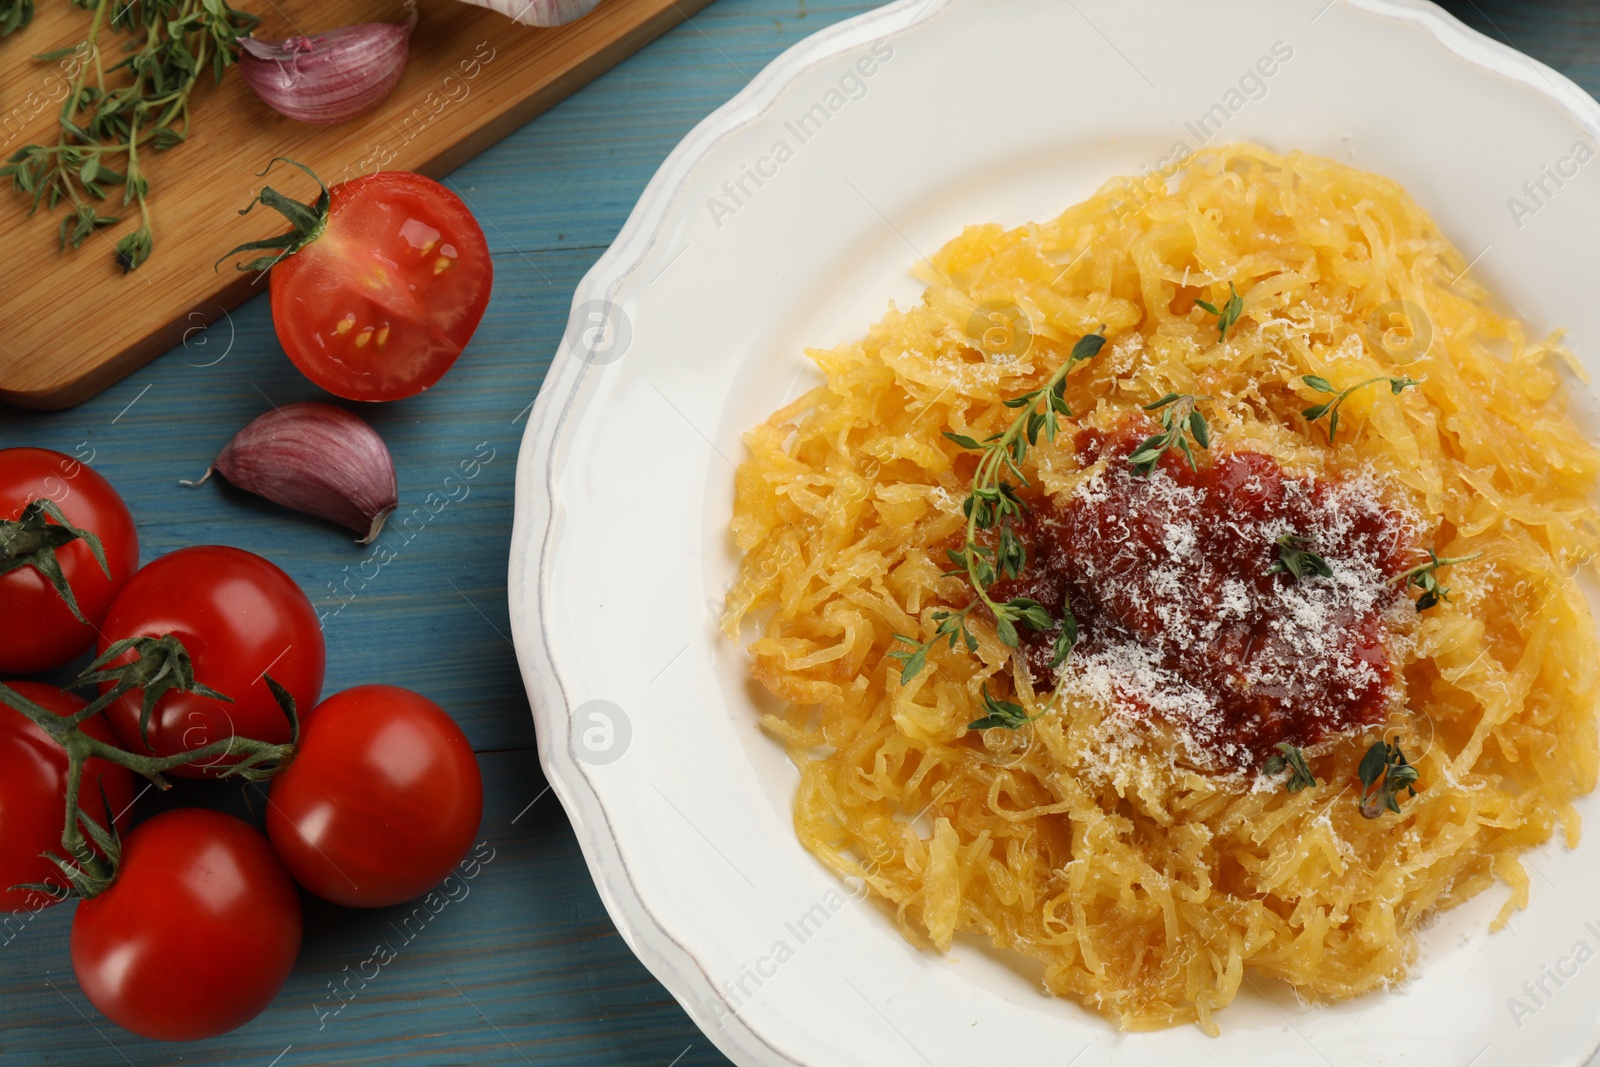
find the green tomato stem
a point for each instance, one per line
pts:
(94, 873)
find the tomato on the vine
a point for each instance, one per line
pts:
(378, 303)
(38, 630)
(241, 618)
(33, 795)
(381, 802)
(197, 934)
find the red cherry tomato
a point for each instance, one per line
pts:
(379, 306)
(381, 802)
(37, 629)
(197, 934)
(241, 618)
(33, 795)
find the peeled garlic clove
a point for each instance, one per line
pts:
(314, 458)
(329, 77)
(539, 12)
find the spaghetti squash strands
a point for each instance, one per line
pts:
(1130, 835)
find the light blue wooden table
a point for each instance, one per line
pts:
(527, 968)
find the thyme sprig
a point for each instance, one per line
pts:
(1066, 638)
(952, 625)
(993, 504)
(107, 121)
(1227, 314)
(1001, 713)
(1425, 576)
(1385, 773)
(1178, 414)
(1296, 560)
(1331, 407)
(1290, 758)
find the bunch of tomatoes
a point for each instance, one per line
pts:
(209, 663)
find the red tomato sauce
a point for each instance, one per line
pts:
(1180, 616)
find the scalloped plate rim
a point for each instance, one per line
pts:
(534, 529)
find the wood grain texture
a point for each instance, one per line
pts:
(472, 77)
(528, 968)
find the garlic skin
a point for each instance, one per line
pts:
(539, 12)
(314, 458)
(329, 77)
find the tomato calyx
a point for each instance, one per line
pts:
(91, 850)
(30, 541)
(160, 665)
(308, 220)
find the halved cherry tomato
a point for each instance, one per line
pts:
(241, 618)
(382, 800)
(197, 934)
(33, 795)
(379, 305)
(37, 629)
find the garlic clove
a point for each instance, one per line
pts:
(539, 12)
(314, 458)
(329, 77)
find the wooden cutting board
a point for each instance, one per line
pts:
(71, 323)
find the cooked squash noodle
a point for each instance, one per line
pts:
(1148, 889)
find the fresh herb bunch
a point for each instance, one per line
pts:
(1296, 560)
(107, 121)
(1292, 759)
(1384, 773)
(1425, 577)
(992, 504)
(1178, 413)
(1227, 314)
(1331, 407)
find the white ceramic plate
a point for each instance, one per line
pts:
(789, 218)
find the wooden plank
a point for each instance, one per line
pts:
(74, 323)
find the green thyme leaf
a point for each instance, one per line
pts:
(1291, 759)
(912, 659)
(999, 713)
(1227, 314)
(1385, 773)
(1426, 578)
(952, 627)
(15, 14)
(1298, 561)
(1178, 414)
(1066, 638)
(1088, 347)
(1029, 612)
